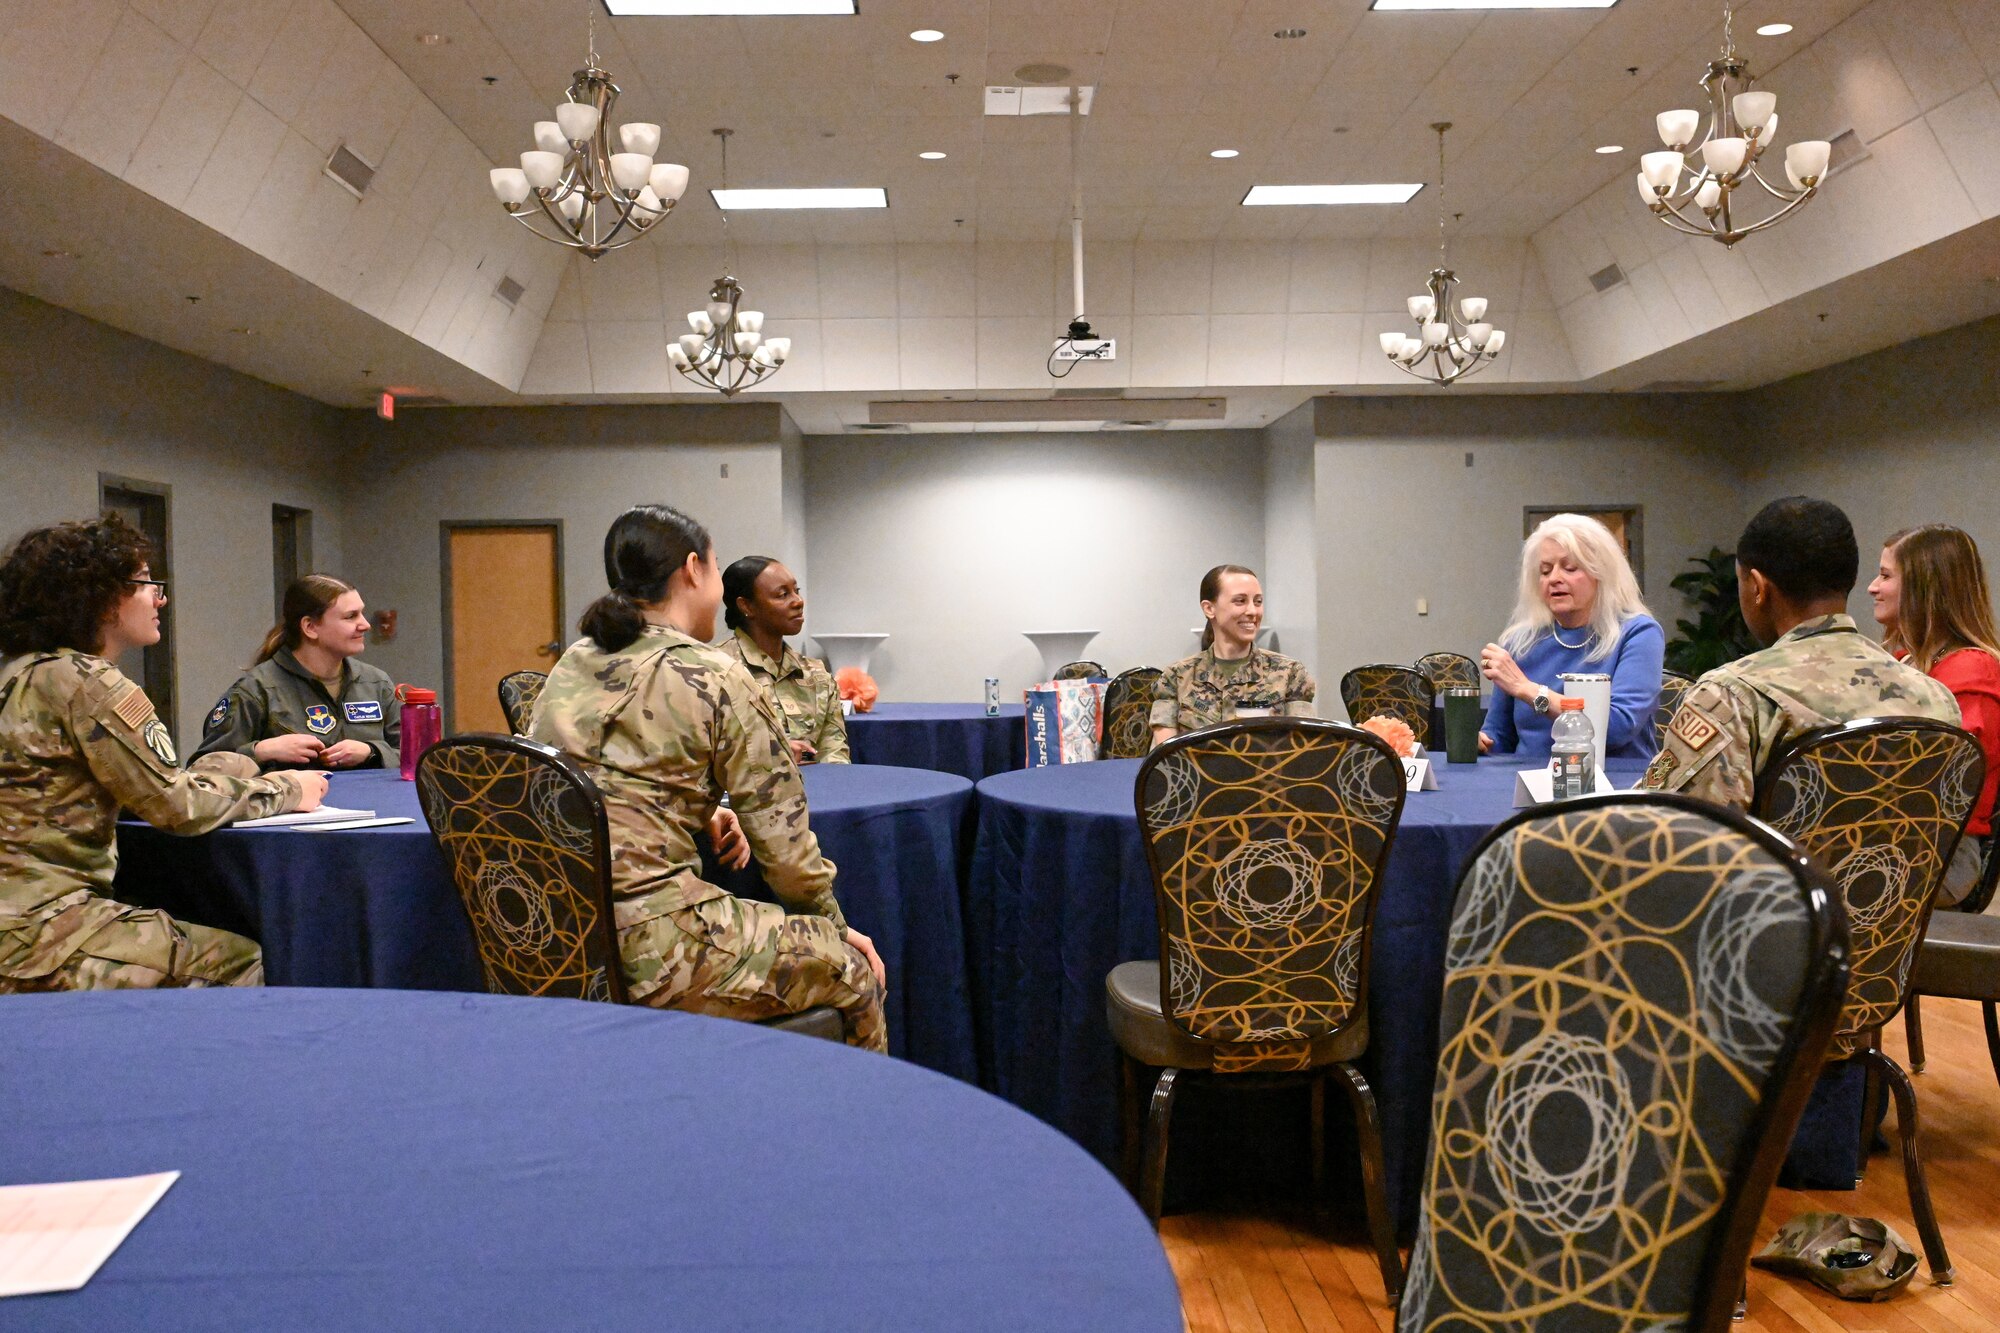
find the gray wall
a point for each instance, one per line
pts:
(1401, 516)
(78, 399)
(582, 466)
(954, 545)
(1291, 546)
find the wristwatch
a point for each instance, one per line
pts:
(1541, 701)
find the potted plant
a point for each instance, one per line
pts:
(1717, 634)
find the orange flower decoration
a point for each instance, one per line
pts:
(1395, 731)
(858, 687)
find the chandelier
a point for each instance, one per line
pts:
(572, 189)
(1742, 125)
(727, 351)
(1453, 338)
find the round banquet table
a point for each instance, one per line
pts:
(1059, 893)
(950, 738)
(376, 907)
(400, 1160)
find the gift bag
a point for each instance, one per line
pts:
(1065, 721)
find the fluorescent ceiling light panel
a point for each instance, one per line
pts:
(1329, 194)
(738, 200)
(739, 8)
(1493, 4)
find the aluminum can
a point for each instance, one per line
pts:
(993, 696)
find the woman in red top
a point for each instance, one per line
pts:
(1931, 601)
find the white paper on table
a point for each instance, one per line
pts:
(341, 826)
(1537, 786)
(1418, 775)
(55, 1237)
(326, 814)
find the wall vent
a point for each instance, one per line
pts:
(510, 291)
(1607, 277)
(350, 171)
(1847, 150)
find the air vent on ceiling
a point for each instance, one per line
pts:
(350, 171)
(510, 291)
(1017, 101)
(1847, 150)
(1607, 277)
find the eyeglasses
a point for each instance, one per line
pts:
(159, 586)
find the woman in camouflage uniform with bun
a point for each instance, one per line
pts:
(77, 742)
(668, 726)
(1231, 676)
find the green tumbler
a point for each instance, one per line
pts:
(1462, 714)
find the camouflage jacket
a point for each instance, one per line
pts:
(1196, 692)
(667, 727)
(804, 693)
(78, 741)
(279, 697)
(1735, 718)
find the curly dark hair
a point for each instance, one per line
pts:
(59, 584)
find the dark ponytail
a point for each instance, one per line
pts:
(645, 546)
(739, 582)
(1211, 588)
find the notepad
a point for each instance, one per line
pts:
(55, 1237)
(389, 821)
(326, 814)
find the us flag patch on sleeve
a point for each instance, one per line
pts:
(133, 708)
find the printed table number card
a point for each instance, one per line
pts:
(1537, 786)
(1418, 775)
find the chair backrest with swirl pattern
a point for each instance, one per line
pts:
(1673, 688)
(1266, 838)
(1081, 669)
(1639, 993)
(524, 833)
(1880, 804)
(518, 693)
(1388, 690)
(1450, 670)
(1128, 707)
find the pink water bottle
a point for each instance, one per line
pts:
(423, 726)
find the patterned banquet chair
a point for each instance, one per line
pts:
(1388, 690)
(518, 693)
(1639, 992)
(1960, 959)
(1082, 669)
(1266, 839)
(1673, 687)
(1128, 704)
(524, 834)
(1881, 804)
(1450, 671)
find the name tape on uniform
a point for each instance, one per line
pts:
(363, 710)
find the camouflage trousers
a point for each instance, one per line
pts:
(736, 958)
(141, 948)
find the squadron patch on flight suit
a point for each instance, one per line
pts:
(219, 715)
(319, 719)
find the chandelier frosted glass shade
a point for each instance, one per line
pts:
(1692, 184)
(575, 189)
(727, 350)
(1453, 338)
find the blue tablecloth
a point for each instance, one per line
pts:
(376, 907)
(390, 1160)
(1059, 893)
(950, 738)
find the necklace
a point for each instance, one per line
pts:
(1555, 632)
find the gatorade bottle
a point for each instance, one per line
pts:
(423, 726)
(1572, 752)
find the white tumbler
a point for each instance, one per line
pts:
(1595, 691)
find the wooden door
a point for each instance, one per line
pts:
(502, 612)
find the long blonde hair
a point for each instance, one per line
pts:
(307, 598)
(1591, 545)
(1944, 605)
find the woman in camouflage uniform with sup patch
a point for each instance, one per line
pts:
(668, 726)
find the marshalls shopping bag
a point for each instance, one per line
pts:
(1065, 721)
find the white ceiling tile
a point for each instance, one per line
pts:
(121, 95)
(1929, 50)
(1246, 349)
(935, 280)
(1172, 278)
(937, 353)
(41, 54)
(1867, 86)
(628, 357)
(1322, 350)
(1168, 351)
(1903, 195)
(1012, 279)
(622, 287)
(236, 167)
(1537, 352)
(298, 52)
(419, 284)
(858, 353)
(1328, 276)
(1980, 20)
(181, 20)
(184, 133)
(1250, 277)
(237, 35)
(1968, 130)
(857, 281)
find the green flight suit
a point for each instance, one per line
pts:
(278, 697)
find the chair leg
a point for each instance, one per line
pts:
(1871, 1109)
(1130, 1127)
(1153, 1178)
(1913, 1033)
(1381, 1226)
(1992, 1037)
(1317, 1148)
(1742, 1310)
(1913, 1166)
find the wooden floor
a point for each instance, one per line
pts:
(1243, 1272)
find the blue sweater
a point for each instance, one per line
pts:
(1634, 667)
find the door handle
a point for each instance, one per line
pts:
(553, 648)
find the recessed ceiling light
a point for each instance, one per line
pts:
(1289, 34)
(1774, 30)
(1329, 194)
(1493, 4)
(1608, 148)
(926, 35)
(432, 39)
(870, 197)
(630, 8)
(932, 157)
(1223, 152)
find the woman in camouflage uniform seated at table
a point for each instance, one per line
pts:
(78, 741)
(763, 605)
(1231, 676)
(668, 726)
